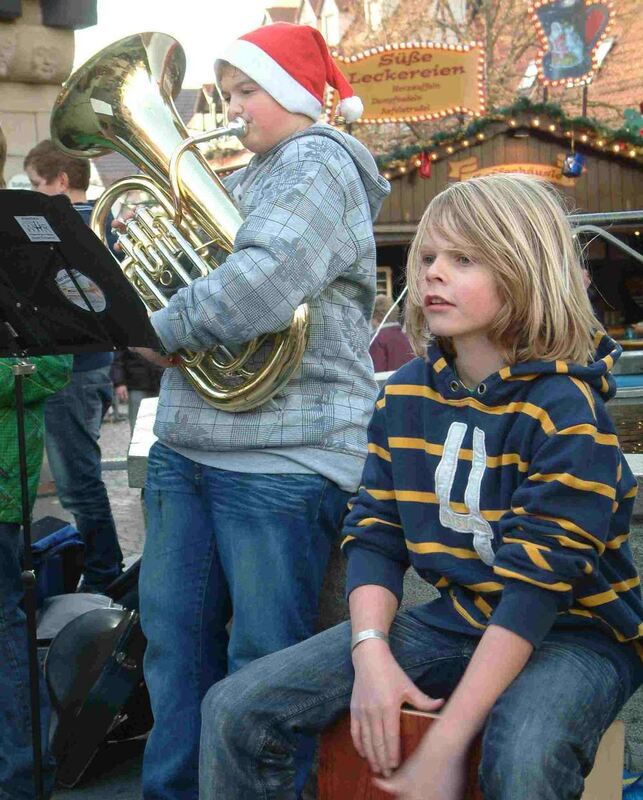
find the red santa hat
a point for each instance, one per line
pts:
(292, 63)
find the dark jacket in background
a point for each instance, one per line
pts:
(135, 372)
(83, 362)
(391, 349)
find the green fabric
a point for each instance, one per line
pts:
(52, 373)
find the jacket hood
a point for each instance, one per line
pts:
(503, 384)
(377, 187)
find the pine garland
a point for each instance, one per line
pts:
(522, 106)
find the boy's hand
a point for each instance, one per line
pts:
(435, 771)
(153, 356)
(119, 225)
(379, 690)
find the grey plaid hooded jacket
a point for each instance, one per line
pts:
(307, 236)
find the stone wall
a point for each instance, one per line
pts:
(34, 61)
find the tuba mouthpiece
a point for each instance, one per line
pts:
(238, 127)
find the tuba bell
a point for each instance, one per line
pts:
(122, 100)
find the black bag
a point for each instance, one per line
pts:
(94, 673)
(124, 589)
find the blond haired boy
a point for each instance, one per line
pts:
(495, 471)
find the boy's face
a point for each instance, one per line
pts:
(460, 296)
(57, 186)
(268, 122)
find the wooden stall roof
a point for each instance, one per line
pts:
(609, 182)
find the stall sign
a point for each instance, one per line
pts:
(413, 82)
(465, 168)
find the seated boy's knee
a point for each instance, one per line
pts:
(215, 703)
(226, 705)
(547, 766)
(220, 718)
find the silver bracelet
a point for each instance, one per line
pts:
(370, 633)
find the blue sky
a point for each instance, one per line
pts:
(203, 27)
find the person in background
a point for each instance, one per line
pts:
(494, 470)
(16, 755)
(243, 508)
(134, 378)
(73, 417)
(390, 348)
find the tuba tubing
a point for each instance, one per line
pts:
(121, 100)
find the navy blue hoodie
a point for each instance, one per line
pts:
(514, 500)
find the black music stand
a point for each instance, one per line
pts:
(61, 291)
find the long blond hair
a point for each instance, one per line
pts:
(516, 225)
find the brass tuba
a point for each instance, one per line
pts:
(122, 100)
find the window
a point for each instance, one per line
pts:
(373, 14)
(529, 77)
(603, 49)
(307, 15)
(384, 281)
(330, 23)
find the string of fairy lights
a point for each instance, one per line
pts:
(440, 147)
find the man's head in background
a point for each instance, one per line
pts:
(52, 172)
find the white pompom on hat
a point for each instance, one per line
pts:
(292, 63)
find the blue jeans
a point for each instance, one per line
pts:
(542, 733)
(16, 755)
(220, 541)
(73, 418)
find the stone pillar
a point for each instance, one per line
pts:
(34, 61)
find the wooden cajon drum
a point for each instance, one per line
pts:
(344, 775)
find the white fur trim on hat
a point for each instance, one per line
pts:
(351, 108)
(265, 71)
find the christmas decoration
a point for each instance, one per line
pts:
(293, 64)
(634, 120)
(569, 32)
(425, 165)
(522, 114)
(573, 165)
